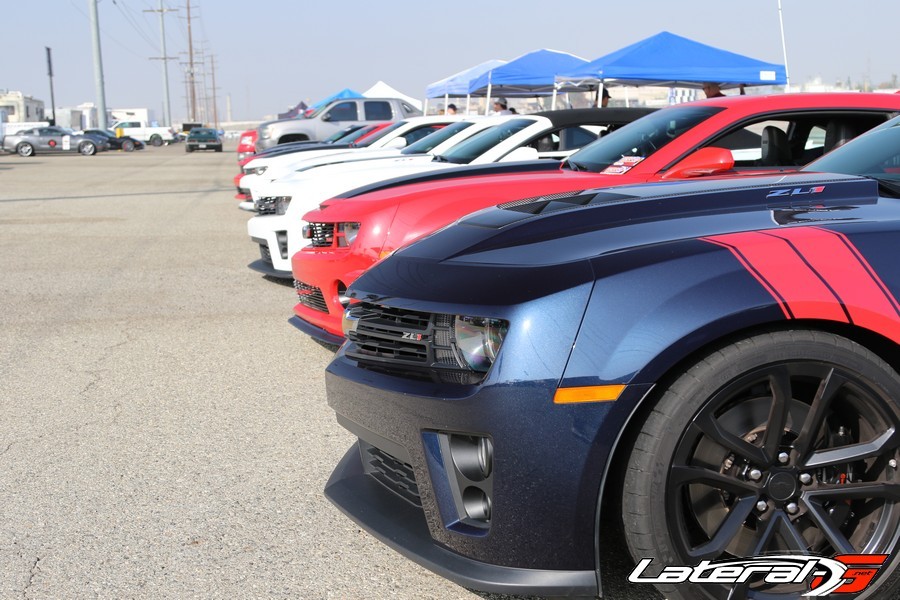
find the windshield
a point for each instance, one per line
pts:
(380, 134)
(342, 134)
(432, 140)
(640, 138)
(468, 150)
(875, 154)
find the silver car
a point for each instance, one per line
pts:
(52, 140)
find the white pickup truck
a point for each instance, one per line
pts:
(139, 130)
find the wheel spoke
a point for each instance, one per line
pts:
(780, 385)
(857, 491)
(780, 523)
(828, 389)
(853, 452)
(709, 426)
(728, 530)
(682, 475)
(836, 538)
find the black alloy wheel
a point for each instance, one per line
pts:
(783, 443)
(156, 140)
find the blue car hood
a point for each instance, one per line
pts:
(538, 246)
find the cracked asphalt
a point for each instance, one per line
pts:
(163, 430)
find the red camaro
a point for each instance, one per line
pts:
(736, 134)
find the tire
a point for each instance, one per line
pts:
(128, 146)
(25, 149)
(218, 148)
(188, 149)
(706, 481)
(156, 140)
(87, 148)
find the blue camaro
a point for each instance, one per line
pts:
(708, 368)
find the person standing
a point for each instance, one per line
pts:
(501, 107)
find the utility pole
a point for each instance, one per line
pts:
(167, 109)
(212, 60)
(191, 83)
(98, 66)
(50, 75)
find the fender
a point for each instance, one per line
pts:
(679, 306)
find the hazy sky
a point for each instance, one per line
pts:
(270, 54)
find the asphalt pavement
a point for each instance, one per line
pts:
(163, 429)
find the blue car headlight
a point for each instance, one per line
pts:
(478, 340)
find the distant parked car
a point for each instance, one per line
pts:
(247, 144)
(53, 140)
(203, 138)
(126, 143)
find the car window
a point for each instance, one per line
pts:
(420, 132)
(407, 109)
(875, 154)
(431, 141)
(344, 134)
(344, 111)
(473, 147)
(378, 110)
(796, 139)
(641, 138)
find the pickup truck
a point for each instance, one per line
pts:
(155, 136)
(331, 118)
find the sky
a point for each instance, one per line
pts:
(271, 54)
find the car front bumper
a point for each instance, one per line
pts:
(540, 537)
(328, 272)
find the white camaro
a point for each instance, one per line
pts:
(553, 134)
(391, 141)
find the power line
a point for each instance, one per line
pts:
(130, 20)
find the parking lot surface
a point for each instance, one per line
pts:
(163, 430)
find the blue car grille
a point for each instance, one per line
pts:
(408, 344)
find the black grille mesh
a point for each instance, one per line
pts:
(395, 475)
(311, 296)
(408, 344)
(321, 234)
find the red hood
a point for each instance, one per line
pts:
(474, 192)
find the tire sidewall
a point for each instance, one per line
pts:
(681, 402)
(25, 149)
(87, 149)
(155, 140)
(128, 146)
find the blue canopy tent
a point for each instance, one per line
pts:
(531, 74)
(344, 93)
(670, 60)
(457, 85)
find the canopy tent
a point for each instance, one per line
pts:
(294, 112)
(670, 60)
(528, 75)
(457, 85)
(383, 90)
(344, 93)
(531, 74)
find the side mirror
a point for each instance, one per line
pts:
(326, 117)
(397, 142)
(705, 161)
(522, 153)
